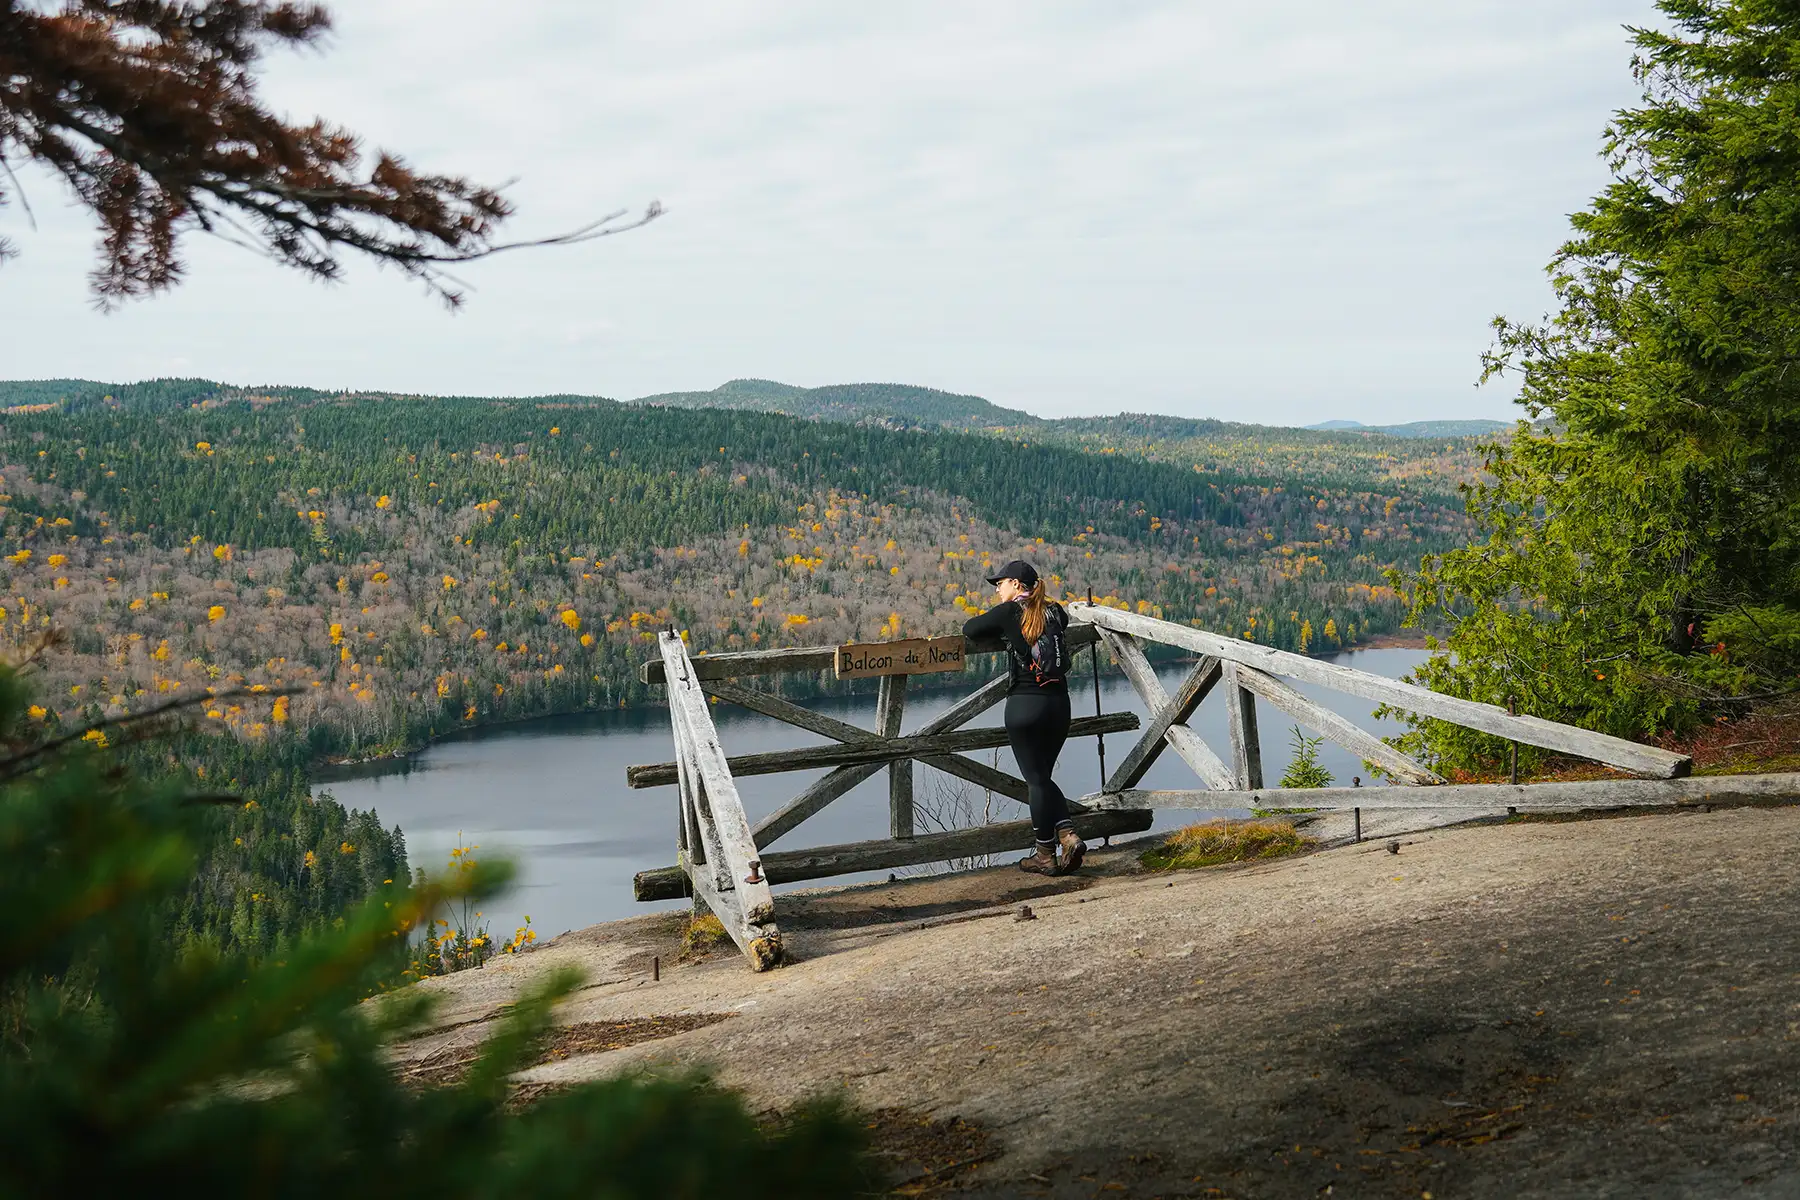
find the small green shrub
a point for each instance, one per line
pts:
(1305, 771)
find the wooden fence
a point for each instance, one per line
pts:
(720, 855)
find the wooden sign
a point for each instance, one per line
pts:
(911, 656)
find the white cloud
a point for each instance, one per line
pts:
(1284, 212)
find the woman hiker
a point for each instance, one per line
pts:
(1037, 705)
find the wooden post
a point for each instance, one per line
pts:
(1512, 752)
(687, 798)
(890, 706)
(732, 884)
(1246, 747)
(1099, 740)
(690, 854)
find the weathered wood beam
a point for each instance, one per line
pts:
(1246, 742)
(812, 800)
(978, 773)
(1166, 727)
(770, 705)
(791, 659)
(691, 838)
(1358, 741)
(748, 914)
(822, 792)
(885, 751)
(890, 706)
(1488, 718)
(722, 904)
(969, 707)
(783, 661)
(981, 775)
(793, 866)
(1594, 793)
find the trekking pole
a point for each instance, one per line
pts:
(1099, 738)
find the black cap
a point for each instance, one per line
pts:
(1017, 569)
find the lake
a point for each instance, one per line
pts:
(550, 794)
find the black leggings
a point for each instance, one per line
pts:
(1037, 725)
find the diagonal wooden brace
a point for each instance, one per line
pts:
(823, 791)
(1352, 738)
(1166, 716)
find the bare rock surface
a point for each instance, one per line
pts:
(1582, 1008)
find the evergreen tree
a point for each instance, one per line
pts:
(130, 1065)
(1640, 564)
(1304, 769)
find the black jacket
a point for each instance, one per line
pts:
(1002, 621)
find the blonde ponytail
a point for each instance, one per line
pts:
(1031, 619)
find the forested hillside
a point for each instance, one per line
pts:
(415, 565)
(279, 862)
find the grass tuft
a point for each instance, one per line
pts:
(1215, 842)
(701, 935)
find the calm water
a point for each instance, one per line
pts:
(551, 794)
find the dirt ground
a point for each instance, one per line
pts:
(1592, 1008)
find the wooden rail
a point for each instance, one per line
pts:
(875, 749)
(821, 862)
(794, 660)
(1637, 759)
(1556, 796)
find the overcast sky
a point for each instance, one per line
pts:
(1282, 212)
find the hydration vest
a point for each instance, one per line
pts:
(1049, 662)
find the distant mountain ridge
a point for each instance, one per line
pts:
(894, 405)
(1418, 429)
(904, 404)
(893, 402)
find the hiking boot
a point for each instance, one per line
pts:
(1072, 848)
(1042, 861)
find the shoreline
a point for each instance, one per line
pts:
(1406, 639)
